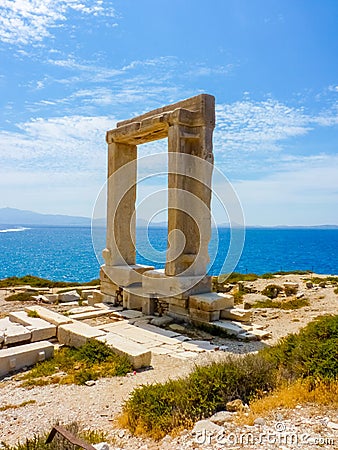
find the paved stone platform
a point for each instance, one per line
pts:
(158, 340)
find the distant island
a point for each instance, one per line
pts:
(18, 217)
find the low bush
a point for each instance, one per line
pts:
(238, 297)
(312, 355)
(159, 408)
(77, 365)
(292, 304)
(21, 297)
(329, 279)
(272, 290)
(313, 352)
(234, 277)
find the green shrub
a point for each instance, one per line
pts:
(295, 303)
(335, 290)
(234, 277)
(329, 279)
(272, 290)
(313, 352)
(20, 297)
(238, 297)
(159, 408)
(267, 276)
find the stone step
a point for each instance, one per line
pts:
(13, 333)
(199, 346)
(138, 355)
(211, 301)
(48, 315)
(81, 309)
(76, 334)
(241, 331)
(242, 315)
(157, 330)
(230, 328)
(40, 329)
(112, 326)
(140, 335)
(15, 358)
(90, 314)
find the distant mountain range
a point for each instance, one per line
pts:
(12, 216)
(18, 217)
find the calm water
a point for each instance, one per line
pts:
(68, 254)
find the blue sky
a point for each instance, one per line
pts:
(71, 68)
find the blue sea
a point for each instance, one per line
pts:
(68, 253)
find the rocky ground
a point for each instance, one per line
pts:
(97, 406)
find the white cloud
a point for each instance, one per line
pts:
(30, 21)
(249, 126)
(61, 144)
(252, 126)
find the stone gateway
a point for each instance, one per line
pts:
(183, 289)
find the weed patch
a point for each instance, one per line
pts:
(238, 297)
(292, 304)
(33, 314)
(71, 365)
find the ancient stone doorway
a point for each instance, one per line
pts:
(188, 125)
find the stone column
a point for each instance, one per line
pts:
(189, 215)
(121, 197)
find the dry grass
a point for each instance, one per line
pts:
(289, 396)
(21, 405)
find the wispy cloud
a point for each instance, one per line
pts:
(25, 22)
(58, 144)
(252, 126)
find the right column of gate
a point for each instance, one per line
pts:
(190, 164)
